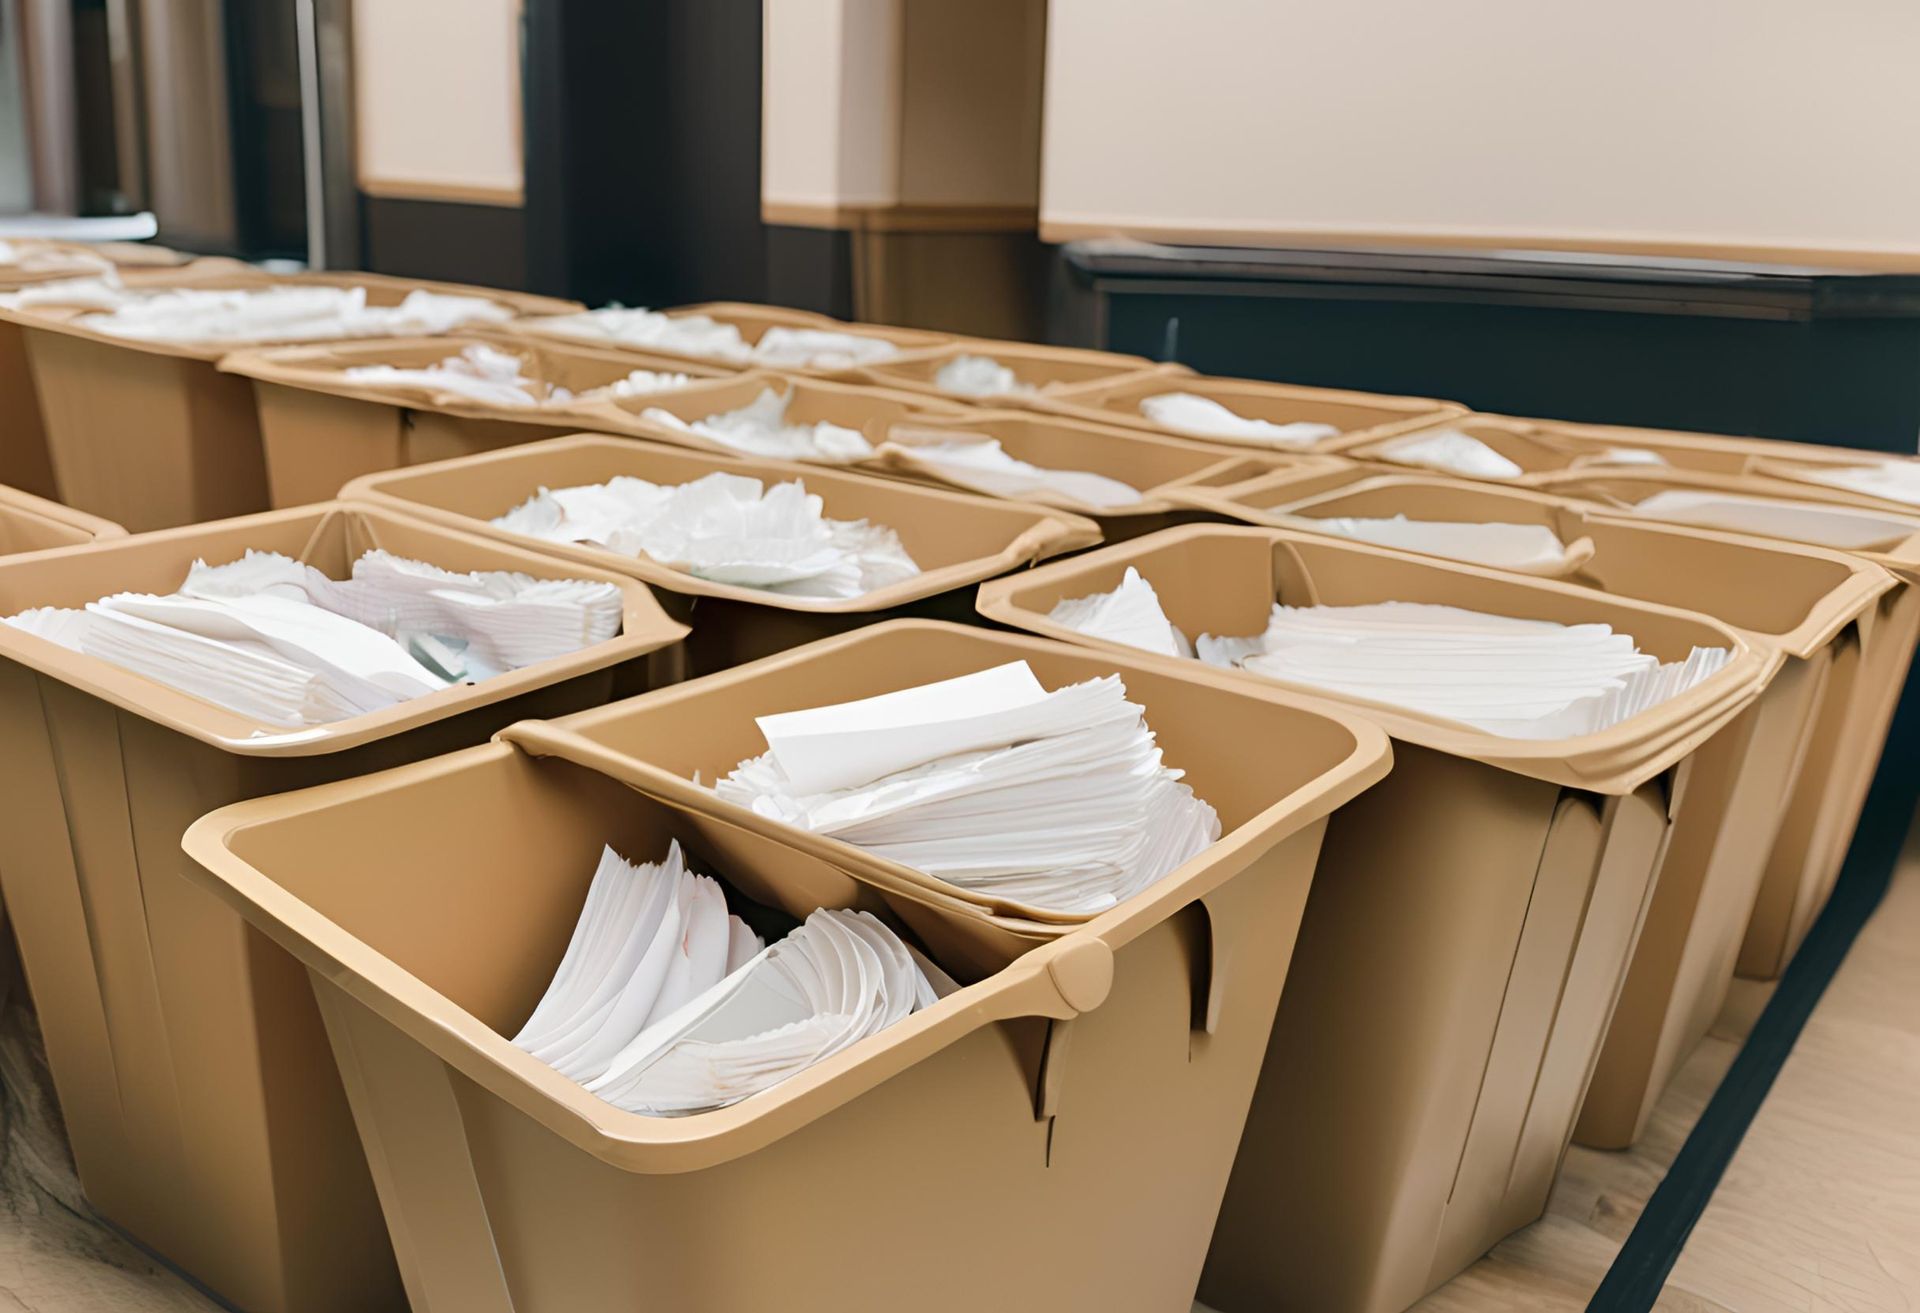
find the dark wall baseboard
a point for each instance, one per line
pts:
(481, 244)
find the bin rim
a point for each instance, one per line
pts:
(1837, 608)
(644, 628)
(1052, 532)
(1060, 979)
(1901, 559)
(1616, 760)
(66, 517)
(1083, 401)
(233, 276)
(1159, 499)
(287, 366)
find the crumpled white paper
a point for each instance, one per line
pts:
(1454, 452)
(1203, 417)
(35, 257)
(760, 428)
(981, 464)
(725, 527)
(499, 378)
(709, 339)
(1130, 614)
(287, 313)
(980, 376)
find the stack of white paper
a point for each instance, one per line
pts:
(105, 292)
(650, 938)
(278, 641)
(289, 313)
(1527, 548)
(1059, 800)
(45, 258)
(1130, 614)
(481, 373)
(981, 464)
(1454, 452)
(1889, 480)
(760, 428)
(1202, 417)
(1849, 528)
(980, 376)
(1528, 679)
(709, 339)
(724, 527)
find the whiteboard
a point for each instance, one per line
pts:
(1740, 129)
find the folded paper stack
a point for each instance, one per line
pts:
(277, 640)
(1055, 799)
(725, 527)
(1519, 678)
(665, 1003)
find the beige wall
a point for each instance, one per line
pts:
(904, 106)
(437, 99)
(1737, 127)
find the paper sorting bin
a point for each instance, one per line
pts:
(1036, 369)
(320, 429)
(1467, 936)
(24, 461)
(752, 320)
(185, 1050)
(1158, 467)
(1811, 604)
(983, 1159)
(151, 434)
(1841, 761)
(956, 539)
(1358, 415)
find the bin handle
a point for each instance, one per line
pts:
(1060, 980)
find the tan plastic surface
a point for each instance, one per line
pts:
(186, 1053)
(1045, 368)
(1469, 933)
(151, 434)
(956, 538)
(1156, 466)
(1358, 415)
(34, 524)
(1818, 827)
(1809, 603)
(988, 1152)
(752, 321)
(320, 430)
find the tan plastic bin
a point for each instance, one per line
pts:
(321, 430)
(1160, 468)
(956, 539)
(34, 524)
(24, 461)
(151, 434)
(1818, 829)
(1813, 605)
(1467, 937)
(1055, 1136)
(1040, 369)
(1358, 415)
(752, 321)
(188, 1059)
